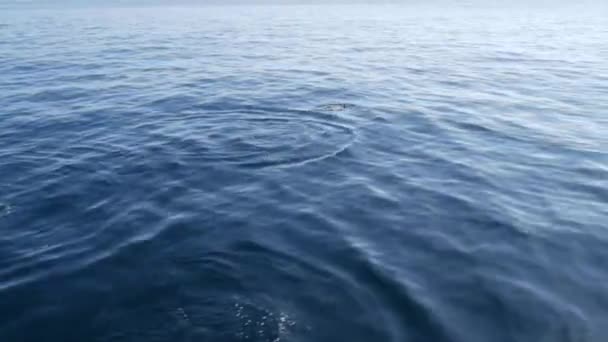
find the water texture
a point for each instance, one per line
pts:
(303, 173)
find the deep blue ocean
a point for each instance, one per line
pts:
(303, 173)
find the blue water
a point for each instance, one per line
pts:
(303, 173)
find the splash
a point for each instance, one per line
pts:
(260, 324)
(5, 209)
(183, 316)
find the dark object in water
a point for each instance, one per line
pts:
(335, 107)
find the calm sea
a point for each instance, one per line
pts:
(304, 173)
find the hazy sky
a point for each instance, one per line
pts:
(450, 3)
(168, 2)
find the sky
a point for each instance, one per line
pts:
(166, 2)
(458, 3)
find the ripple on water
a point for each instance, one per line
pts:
(80, 214)
(84, 215)
(255, 138)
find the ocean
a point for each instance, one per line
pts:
(304, 173)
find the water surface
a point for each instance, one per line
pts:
(303, 173)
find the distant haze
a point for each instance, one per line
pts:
(573, 7)
(303, 2)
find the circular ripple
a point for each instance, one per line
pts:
(259, 139)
